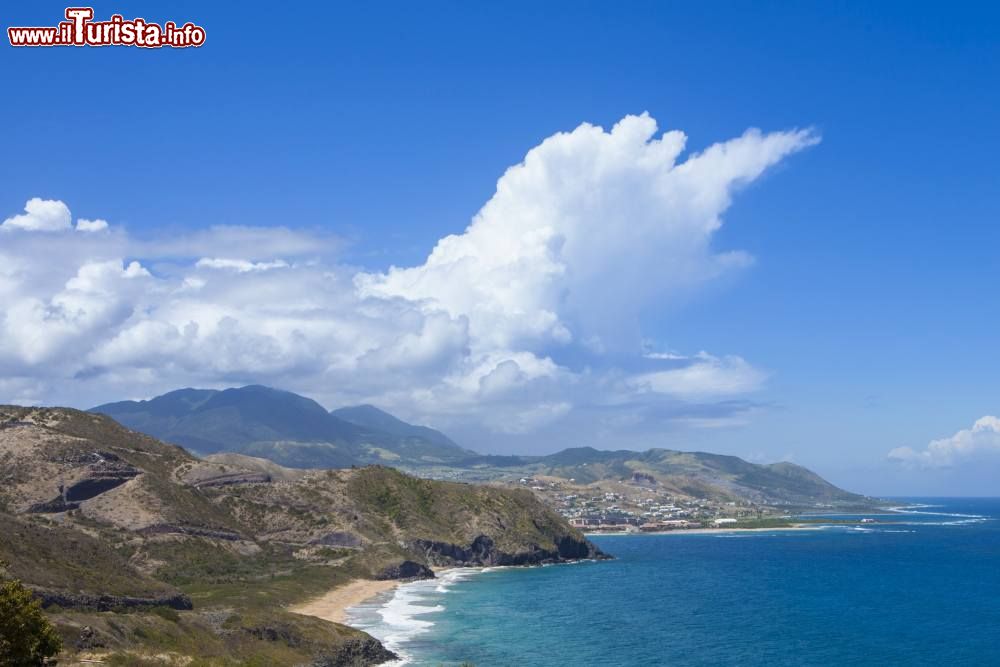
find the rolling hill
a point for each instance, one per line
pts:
(692, 474)
(205, 555)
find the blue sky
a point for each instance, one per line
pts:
(868, 311)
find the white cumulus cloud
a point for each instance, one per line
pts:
(589, 228)
(529, 318)
(965, 445)
(40, 215)
(84, 225)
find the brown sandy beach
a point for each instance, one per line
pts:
(333, 605)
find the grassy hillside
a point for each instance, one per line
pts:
(157, 551)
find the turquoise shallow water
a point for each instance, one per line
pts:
(924, 590)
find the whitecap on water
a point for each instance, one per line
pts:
(397, 619)
(922, 509)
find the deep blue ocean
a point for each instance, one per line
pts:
(918, 588)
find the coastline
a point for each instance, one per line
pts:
(492, 621)
(706, 531)
(333, 604)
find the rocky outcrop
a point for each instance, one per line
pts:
(406, 569)
(359, 651)
(53, 506)
(572, 548)
(356, 652)
(103, 602)
(483, 551)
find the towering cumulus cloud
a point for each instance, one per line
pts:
(528, 317)
(592, 226)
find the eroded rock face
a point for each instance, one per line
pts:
(102, 472)
(109, 602)
(484, 552)
(359, 652)
(406, 569)
(53, 506)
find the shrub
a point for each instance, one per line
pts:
(26, 636)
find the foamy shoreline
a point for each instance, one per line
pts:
(399, 606)
(333, 605)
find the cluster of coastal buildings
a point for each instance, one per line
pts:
(595, 524)
(644, 510)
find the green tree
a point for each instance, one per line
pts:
(26, 636)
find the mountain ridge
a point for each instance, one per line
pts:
(283, 426)
(297, 432)
(697, 474)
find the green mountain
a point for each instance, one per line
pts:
(206, 556)
(297, 432)
(287, 428)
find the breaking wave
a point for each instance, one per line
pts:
(398, 617)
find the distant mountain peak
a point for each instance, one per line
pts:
(281, 425)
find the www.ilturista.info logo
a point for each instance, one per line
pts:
(79, 29)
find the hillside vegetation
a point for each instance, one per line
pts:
(138, 548)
